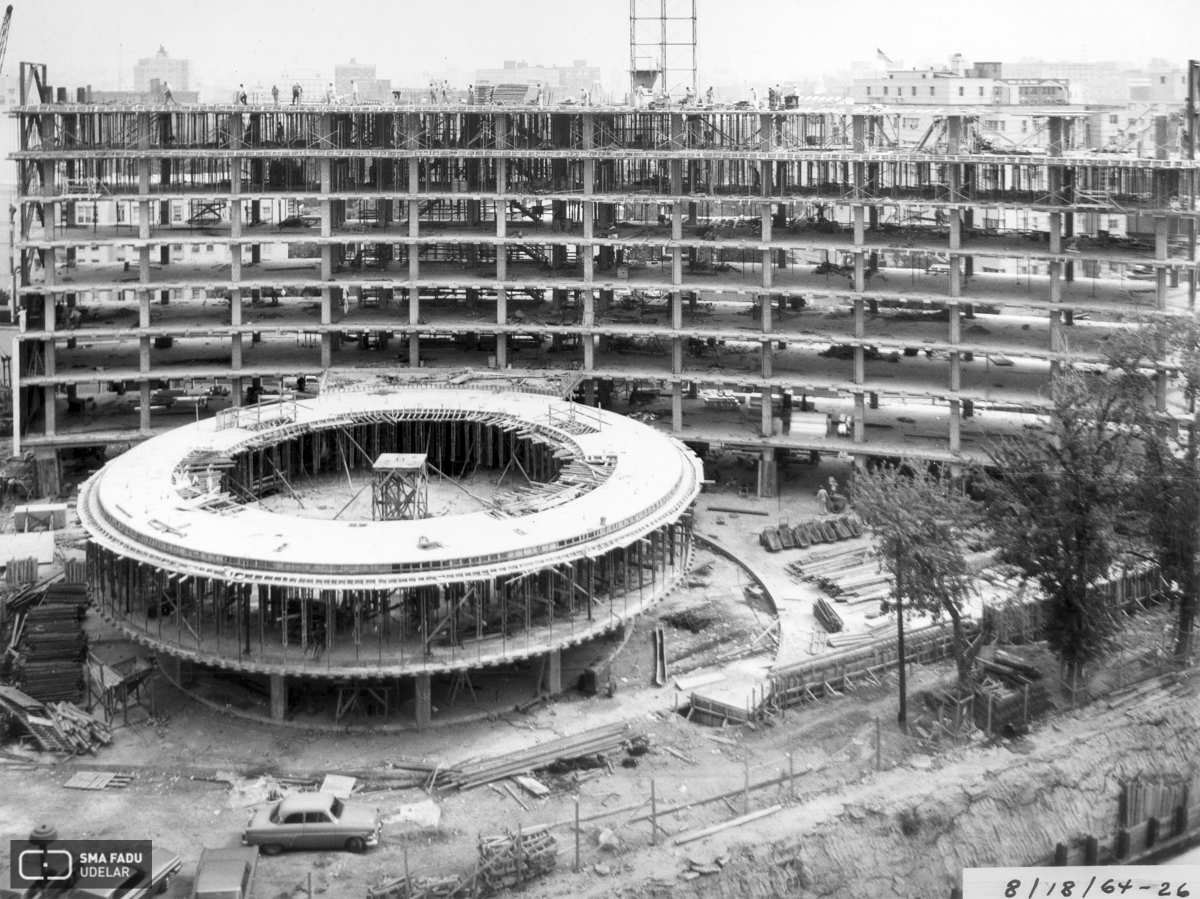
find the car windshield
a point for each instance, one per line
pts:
(336, 808)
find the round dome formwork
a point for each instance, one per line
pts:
(181, 560)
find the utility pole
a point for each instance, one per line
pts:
(902, 717)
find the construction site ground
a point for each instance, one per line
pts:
(846, 830)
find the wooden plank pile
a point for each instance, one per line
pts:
(55, 727)
(850, 573)
(99, 780)
(477, 773)
(509, 860)
(1010, 694)
(810, 533)
(21, 571)
(419, 888)
(53, 645)
(830, 620)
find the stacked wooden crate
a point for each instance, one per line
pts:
(509, 860)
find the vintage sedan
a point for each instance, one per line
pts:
(225, 874)
(312, 821)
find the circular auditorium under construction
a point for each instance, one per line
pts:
(498, 527)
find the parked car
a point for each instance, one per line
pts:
(312, 821)
(1144, 272)
(225, 874)
(938, 268)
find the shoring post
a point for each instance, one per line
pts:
(653, 815)
(746, 787)
(576, 866)
(878, 744)
(792, 775)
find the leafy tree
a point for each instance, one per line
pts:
(1053, 510)
(1168, 470)
(919, 518)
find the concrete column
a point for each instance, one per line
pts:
(767, 473)
(860, 418)
(677, 355)
(553, 682)
(860, 319)
(677, 407)
(767, 357)
(766, 423)
(1160, 254)
(502, 339)
(860, 279)
(955, 260)
(860, 365)
(955, 426)
(424, 705)
(955, 370)
(279, 697)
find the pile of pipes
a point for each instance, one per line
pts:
(476, 773)
(850, 574)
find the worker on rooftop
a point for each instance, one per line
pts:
(242, 94)
(169, 98)
(330, 94)
(689, 96)
(354, 90)
(470, 95)
(275, 93)
(296, 91)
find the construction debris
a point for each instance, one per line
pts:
(476, 774)
(55, 727)
(98, 780)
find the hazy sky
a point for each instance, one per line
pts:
(89, 41)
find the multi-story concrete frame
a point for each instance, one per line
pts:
(777, 280)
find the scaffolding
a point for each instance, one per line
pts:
(662, 46)
(400, 487)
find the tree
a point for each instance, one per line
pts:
(1054, 508)
(1168, 470)
(919, 518)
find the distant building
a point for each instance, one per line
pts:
(560, 82)
(162, 68)
(153, 94)
(369, 87)
(985, 83)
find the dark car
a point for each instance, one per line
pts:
(312, 821)
(225, 874)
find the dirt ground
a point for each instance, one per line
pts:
(830, 746)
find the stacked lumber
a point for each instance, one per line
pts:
(849, 574)
(524, 761)
(419, 888)
(52, 644)
(830, 620)
(21, 571)
(509, 860)
(56, 727)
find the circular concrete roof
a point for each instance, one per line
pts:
(143, 505)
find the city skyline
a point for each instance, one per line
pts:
(231, 43)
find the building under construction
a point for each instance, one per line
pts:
(786, 282)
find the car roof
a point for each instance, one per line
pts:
(222, 869)
(306, 802)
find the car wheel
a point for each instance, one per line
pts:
(355, 844)
(270, 849)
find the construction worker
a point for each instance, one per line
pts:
(354, 90)
(540, 96)
(330, 94)
(470, 95)
(822, 501)
(170, 98)
(754, 98)
(296, 94)
(242, 94)
(584, 99)
(689, 96)
(275, 93)
(708, 96)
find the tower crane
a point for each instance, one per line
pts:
(4, 33)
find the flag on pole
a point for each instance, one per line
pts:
(880, 55)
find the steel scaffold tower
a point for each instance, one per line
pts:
(662, 46)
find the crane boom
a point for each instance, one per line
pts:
(4, 33)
